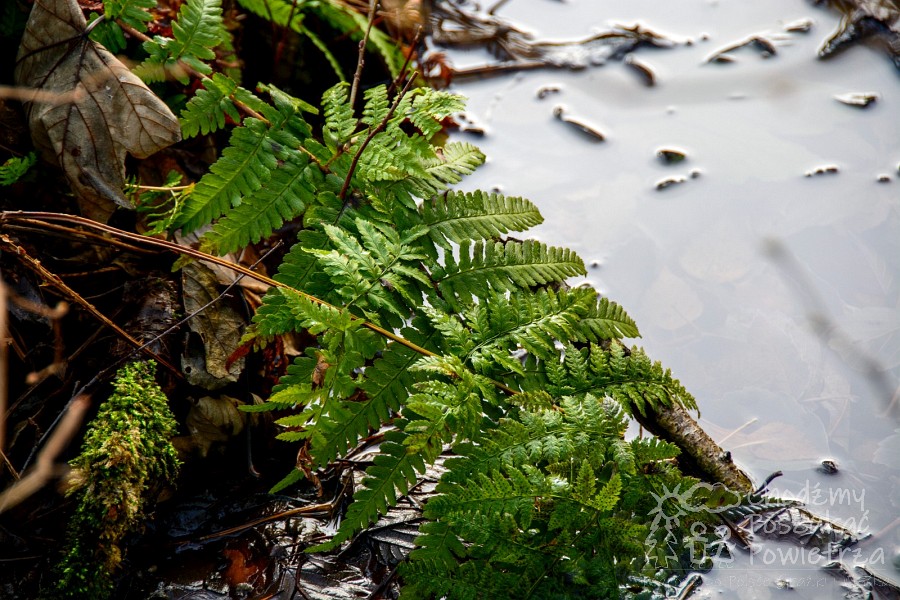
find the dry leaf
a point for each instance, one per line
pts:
(109, 110)
(215, 331)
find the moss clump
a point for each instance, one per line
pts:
(126, 452)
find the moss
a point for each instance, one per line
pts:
(126, 452)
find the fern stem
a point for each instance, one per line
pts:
(361, 60)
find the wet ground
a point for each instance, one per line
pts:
(765, 272)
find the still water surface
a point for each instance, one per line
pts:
(773, 296)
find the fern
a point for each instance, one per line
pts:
(197, 31)
(15, 168)
(425, 322)
(214, 104)
(501, 267)
(458, 216)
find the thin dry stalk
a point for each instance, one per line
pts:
(45, 466)
(362, 53)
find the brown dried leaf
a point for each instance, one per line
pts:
(215, 331)
(107, 111)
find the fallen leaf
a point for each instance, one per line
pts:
(215, 331)
(108, 111)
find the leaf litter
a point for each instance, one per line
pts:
(107, 111)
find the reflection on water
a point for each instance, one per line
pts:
(773, 296)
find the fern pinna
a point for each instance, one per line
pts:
(435, 326)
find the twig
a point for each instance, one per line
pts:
(43, 468)
(15, 216)
(362, 53)
(35, 265)
(3, 364)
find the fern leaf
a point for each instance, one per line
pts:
(198, 29)
(242, 169)
(450, 164)
(534, 322)
(627, 376)
(376, 107)
(15, 168)
(395, 469)
(430, 107)
(459, 216)
(606, 321)
(485, 266)
(339, 120)
(208, 109)
(132, 12)
(437, 542)
(282, 198)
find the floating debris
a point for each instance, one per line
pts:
(859, 99)
(457, 24)
(467, 124)
(799, 26)
(595, 264)
(823, 170)
(648, 77)
(829, 467)
(670, 156)
(764, 46)
(546, 90)
(866, 19)
(670, 181)
(884, 178)
(695, 173)
(559, 111)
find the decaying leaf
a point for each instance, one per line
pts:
(215, 330)
(108, 111)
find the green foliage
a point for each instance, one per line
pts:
(197, 31)
(126, 454)
(15, 168)
(541, 498)
(340, 16)
(436, 329)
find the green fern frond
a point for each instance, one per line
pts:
(376, 107)
(245, 165)
(376, 272)
(395, 469)
(606, 320)
(484, 266)
(430, 107)
(132, 12)
(532, 322)
(628, 376)
(15, 168)
(340, 123)
(212, 105)
(460, 216)
(282, 198)
(447, 167)
(197, 30)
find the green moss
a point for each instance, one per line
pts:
(126, 453)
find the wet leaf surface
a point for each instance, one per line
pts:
(91, 110)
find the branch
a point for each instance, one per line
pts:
(362, 53)
(44, 467)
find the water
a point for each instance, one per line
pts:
(774, 297)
